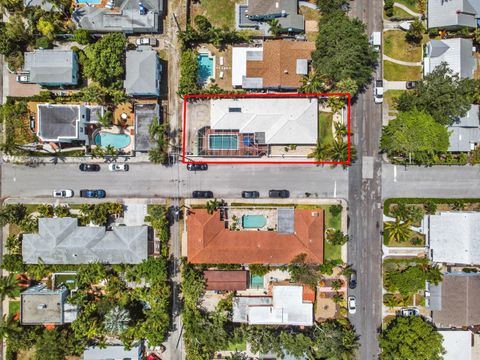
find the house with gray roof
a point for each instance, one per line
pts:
(42, 4)
(453, 14)
(145, 114)
(114, 352)
(63, 241)
(128, 16)
(285, 11)
(143, 72)
(40, 305)
(64, 123)
(457, 53)
(51, 67)
(465, 131)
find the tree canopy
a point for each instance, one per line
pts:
(411, 338)
(442, 94)
(106, 58)
(413, 132)
(351, 58)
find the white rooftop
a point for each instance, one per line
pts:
(288, 308)
(454, 237)
(283, 120)
(239, 62)
(457, 344)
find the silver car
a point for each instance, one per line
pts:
(352, 305)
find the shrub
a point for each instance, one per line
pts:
(335, 210)
(82, 36)
(259, 269)
(388, 7)
(430, 207)
(43, 43)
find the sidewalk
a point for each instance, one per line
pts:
(406, 9)
(400, 62)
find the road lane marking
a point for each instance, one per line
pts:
(395, 173)
(335, 189)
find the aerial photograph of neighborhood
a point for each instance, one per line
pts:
(240, 179)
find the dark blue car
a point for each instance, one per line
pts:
(99, 194)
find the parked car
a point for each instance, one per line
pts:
(376, 40)
(146, 41)
(409, 312)
(118, 167)
(352, 281)
(89, 167)
(202, 194)
(23, 78)
(99, 194)
(66, 193)
(352, 305)
(411, 84)
(197, 167)
(250, 194)
(279, 194)
(378, 92)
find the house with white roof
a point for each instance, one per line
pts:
(453, 14)
(453, 237)
(285, 307)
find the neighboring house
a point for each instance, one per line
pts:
(454, 301)
(285, 11)
(226, 280)
(143, 71)
(63, 241)
(465, 132)
(42, 4)
(458, 344)
(457, 53)
(114, 352)
(286, 306)
(277, 65)
(145, 114)
(51, 67)
(65, 123)
(453, 237)
(128, 16)
(209, 241)
(43, 306)
(453, 14)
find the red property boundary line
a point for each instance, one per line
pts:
(262, 95)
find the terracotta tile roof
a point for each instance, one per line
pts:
(209, 242)
(308, 294)
(226, 280)
(279, 64)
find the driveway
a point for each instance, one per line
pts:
(22, 90)
(394, 85)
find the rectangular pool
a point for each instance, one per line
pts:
(253, 221)
(256, 282)
(89, 2)
(205, 68)
(223, 142)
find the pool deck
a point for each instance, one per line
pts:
(129, 130)
(270, 216)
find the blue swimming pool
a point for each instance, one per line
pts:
(253, 221)
(223, 142)
(118, 141)
(205, 68)
(89, 2)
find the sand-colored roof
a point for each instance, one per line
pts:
(209, 242)
(278, 68)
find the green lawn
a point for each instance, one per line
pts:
(70, 280)
(399, 14)
(411, 4)
(390, 96)
(13, 307)
(242, 346)
(395, 46)
(332, 252)
(221, 13)
(396, 72)
(325, 133)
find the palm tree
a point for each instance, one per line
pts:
(321, 152)
(314, 83)
(212, 205)
(336, 237)
(105, 119)
(8, 286)
(341, 130)
(397, 230)
(275, 27)
(336, 284)
(9, 326)
(338, 151)
(116, 320)
(110, 150)
(45, 210)
(337, 298)
(347, 270)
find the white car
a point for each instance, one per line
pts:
(118, 167)
(352, 306)
(64, 193)
(23, 78)
(409, 312)
(146, 41)
(378, 92)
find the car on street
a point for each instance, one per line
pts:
(378, 92)
(118, 167)
(198, 194)
(411, 84)
(197, 167)
(409, 312)
(250, 194)
(146, 41)
(64, 193)
(352, 281)
(279, 194)
(92, 194)
(89, 167)
(23, 78)
(352, 305)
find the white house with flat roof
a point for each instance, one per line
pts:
(285, 307)
(454, 237)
